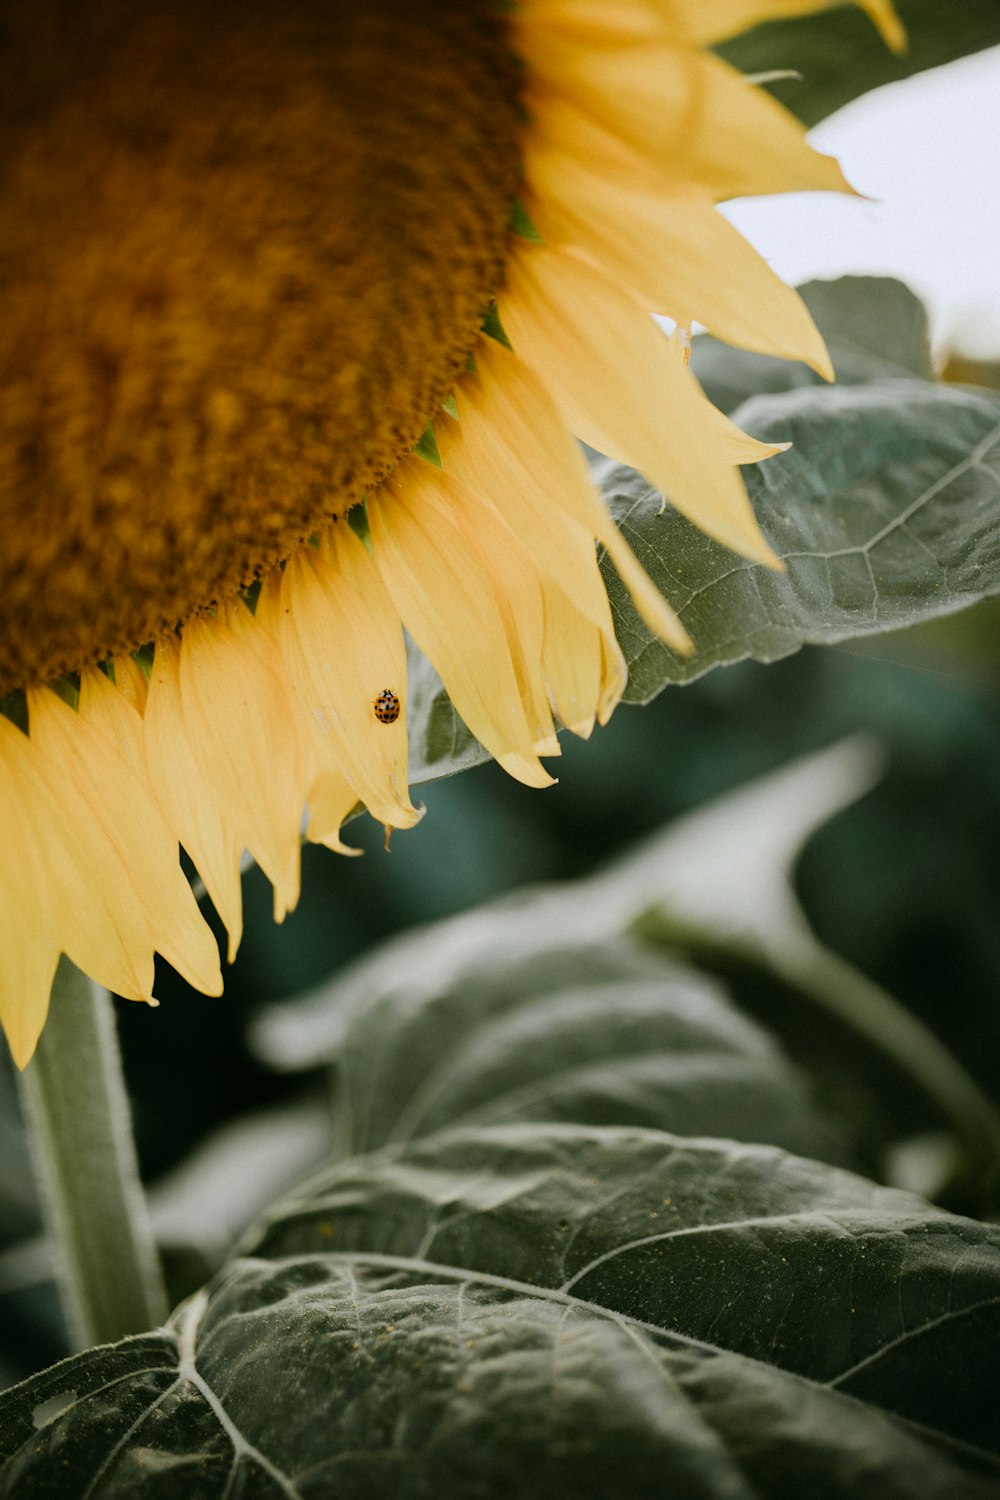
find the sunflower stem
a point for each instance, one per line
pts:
(79, 1122)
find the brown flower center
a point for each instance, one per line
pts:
(243, 250)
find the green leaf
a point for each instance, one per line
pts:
(836, 1022)
(439, 742)
(886, 512)
(874, 327)
(427, 448)
(433, 1033)
(839, 55)
(532, 1007)
(779, 1249)
(551, 1313)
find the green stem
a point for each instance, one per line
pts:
(887, 1024)
(862, 1007)
(74, 1099)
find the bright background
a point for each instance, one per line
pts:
(925, 151)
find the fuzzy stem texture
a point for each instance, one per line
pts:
(79, 1122)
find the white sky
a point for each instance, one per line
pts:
(928, 151)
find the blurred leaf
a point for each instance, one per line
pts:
(448, 1024)
(833, 1015)
(210, 1198)
(840, 55)
(875, 329)
(747, 845)
(886, 512)
(875, 326)
(592, 1035)
(544, 1312)
(523, 928)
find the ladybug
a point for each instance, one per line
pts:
(387, 707)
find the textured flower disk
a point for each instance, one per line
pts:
(246, 248)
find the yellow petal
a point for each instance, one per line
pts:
(601, 21)
(504, 563)
(124, 859)
(183, 939)
(882, 14)
(131, 680)
(512, 447)
(102, 925)
(447, 602)
(342, 645)
(96, 860)
(188, 805)
(622, 389)
(240, 727)
(711, 21)
(267, 612)
(330, 801)
(105, 706)
(584, 668)
(675, 253)
(29, 929)
(521, 407)
(688, 112)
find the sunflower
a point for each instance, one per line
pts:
(304, 306)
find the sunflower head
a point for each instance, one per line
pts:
(262, 261)
(245, 248)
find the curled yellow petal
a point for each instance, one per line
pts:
(505, 565)
(584, 668)
(883, 15)
(534, 427)
(330, 801)
(511, 447)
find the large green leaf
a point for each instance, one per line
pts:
(886, 512)
(549, 1312)
(521, 1026)
(839, 55)
(534, 1008)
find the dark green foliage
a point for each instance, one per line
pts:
(545, 1311)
